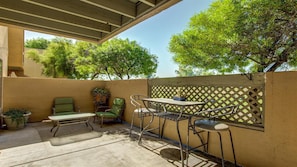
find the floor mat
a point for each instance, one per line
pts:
(58, 141)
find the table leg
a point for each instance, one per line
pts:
(58, 126)
(55, 125)
(162, 130)
(180, 144)
(188, 139)
(88, 123)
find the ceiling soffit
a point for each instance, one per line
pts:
(91, 20)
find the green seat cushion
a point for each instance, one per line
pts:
(116, 110)
(64, 100)
(64, 108)
(64, 105)
(118, 106)
(106, 114)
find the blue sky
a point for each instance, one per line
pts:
(155, 33)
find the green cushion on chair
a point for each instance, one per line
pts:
(115, 112)
(106, 114)
(64, 108)
(64, 100)
(118, 105)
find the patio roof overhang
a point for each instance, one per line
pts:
(90, 20)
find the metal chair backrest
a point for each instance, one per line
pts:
(219, 112)
(136, 100)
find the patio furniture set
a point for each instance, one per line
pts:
(156, 107)
(64, 113)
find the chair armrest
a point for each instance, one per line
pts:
(107, 110)
(135, 102)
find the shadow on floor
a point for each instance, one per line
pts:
(112, 133)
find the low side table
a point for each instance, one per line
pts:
(70, 119)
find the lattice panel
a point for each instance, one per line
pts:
(218, 92)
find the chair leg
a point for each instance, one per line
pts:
(222, 153)
(141, 122)
(160, 130)
(207, 141)
(231, 139)
(101, 122)
(132, 122)
(96, 117)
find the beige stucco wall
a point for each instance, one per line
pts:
(274, 147)
(280, 136)
(31, 68)
(37, 94)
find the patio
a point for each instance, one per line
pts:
(273, 146)
(34, 146)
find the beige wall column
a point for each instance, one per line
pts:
(4, 48)
(16, 49)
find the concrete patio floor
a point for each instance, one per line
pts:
(111, 146)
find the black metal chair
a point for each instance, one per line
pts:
(139, 110)
(210, 124)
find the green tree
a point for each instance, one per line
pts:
(116, 59)
(186, 70)
(124, 59)
(34, 55)
(39, 43)
(56, 59)
(269, 28)
(84, 60)
(239, 35)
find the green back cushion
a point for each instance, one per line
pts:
(64, 105)
(118, 106)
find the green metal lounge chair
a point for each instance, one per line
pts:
(64, 105)
(115, 113)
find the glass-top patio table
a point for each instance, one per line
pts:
(174, 116)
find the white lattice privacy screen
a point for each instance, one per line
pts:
(246, 91)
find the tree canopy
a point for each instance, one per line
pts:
(39, 43)
(115, 59)
(124, 58)
(56, 61)
(239, 35)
